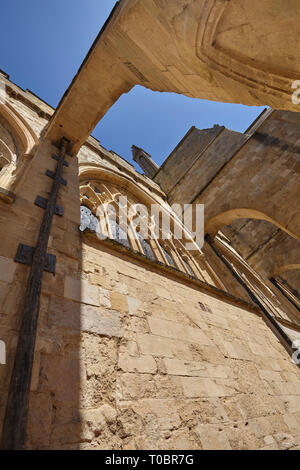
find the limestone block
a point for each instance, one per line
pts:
(96, 419)
(109, 413)
(4, 289)
(129, 347)
(218, 371)
(240, 437)
(133, 305)
(164, 411)
(104, 298)
(269, 440)
(62, 376)
(53, 285)
(211, 354)
(179, 439)
(200, 318)
(161, 346)
(163, 292)
(260, 404)
(137, 325)
(292, 403)
(39, 420)
(270, 376)
(102, 280)
(49, 344)
(195, 387)
(120, 287)
(284, 388)
(212, 437)
(166, 312)
(136, 386)
(94, 320)
(64, 313)
(286, 441)
(168, 387)
(135, 272)
(7, 269)
(142, 364)
(272, 446)
(267, 425)
(236, 350)
(35, 371)
(176, 367)
(80, 317)
(66, 435)
(177, 331)
(119, 302)
(195, 368)
(290, 376)
(291, 422)
(81, 291)
(266, 351)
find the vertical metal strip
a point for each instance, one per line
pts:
(15, 421)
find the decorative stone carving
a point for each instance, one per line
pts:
(9, 154)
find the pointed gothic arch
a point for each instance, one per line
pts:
(18, 143)
(213, 225)
(102, 185)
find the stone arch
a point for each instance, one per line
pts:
(213, 225)
(214, 51)
(125, 182)
(128, 183)
(90, 175)
(17, 146)
(8, 149)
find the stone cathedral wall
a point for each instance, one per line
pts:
(129, 355)
(162, 365)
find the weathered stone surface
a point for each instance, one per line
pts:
(7, 269)
(101, 322)
(81, 291)
(119, 302)
(40, 421)
(195, 387)
(68, 314)
(212, 437)
(177, 331)
(129, 355)
(133, 305)
(207, 55)
(142, 364)
(104, 298)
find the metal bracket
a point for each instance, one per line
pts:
(55, 157)
(42, 202)
(51, 174)
(25, 256)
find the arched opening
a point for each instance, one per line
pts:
(257, 250)
(9, 151)
(102, 201)
(17, 145)
(228, 217)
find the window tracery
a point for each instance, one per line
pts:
(113, 214)
(17, 146)
(9, 152)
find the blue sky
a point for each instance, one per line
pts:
(42, 44)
